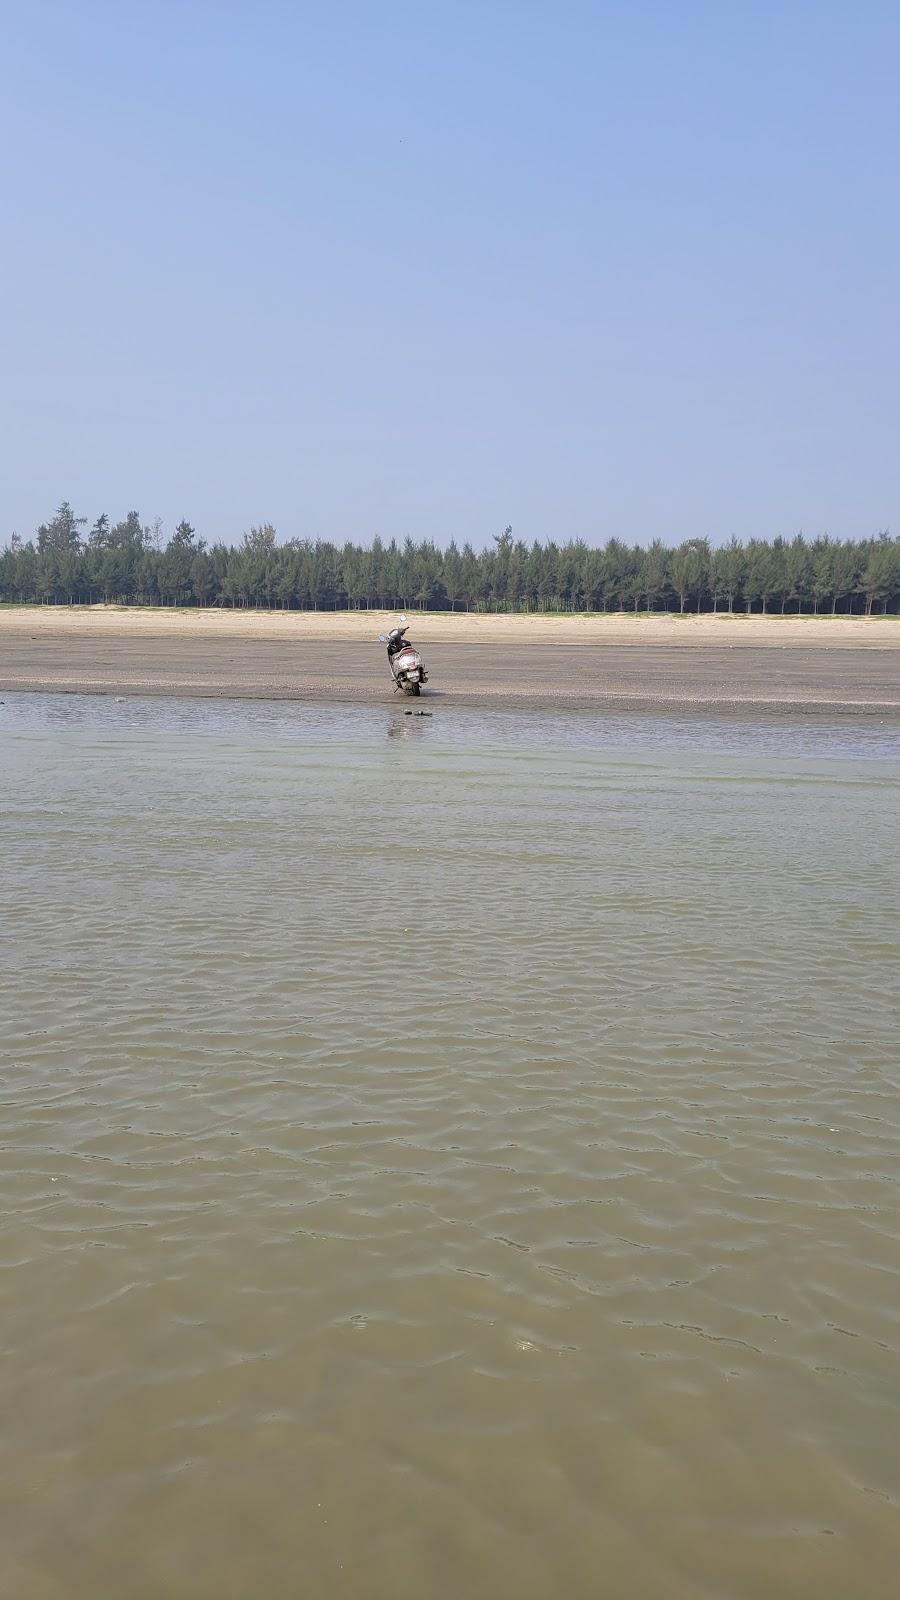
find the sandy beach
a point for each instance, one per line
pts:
(841, 664)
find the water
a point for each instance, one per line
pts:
(447, 1157)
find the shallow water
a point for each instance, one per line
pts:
(449, 1156)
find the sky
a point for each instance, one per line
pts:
(430, 269)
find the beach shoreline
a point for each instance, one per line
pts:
(846, 665)
(626, 628)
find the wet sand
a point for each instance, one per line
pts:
(795, 664)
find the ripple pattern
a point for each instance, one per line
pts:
(451, 1157)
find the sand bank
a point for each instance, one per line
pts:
(442, 627)
(811, 664)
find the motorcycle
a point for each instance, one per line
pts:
(407, 666)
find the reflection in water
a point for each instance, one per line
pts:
(409, 724)
(549, 1251)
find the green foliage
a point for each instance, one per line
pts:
(690, 571)
(127, 562)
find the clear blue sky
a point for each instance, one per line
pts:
(430, 268)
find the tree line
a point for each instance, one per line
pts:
(129, 563)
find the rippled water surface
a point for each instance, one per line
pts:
(447, 1157)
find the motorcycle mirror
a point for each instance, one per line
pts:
(403, 616)
(382, 638)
